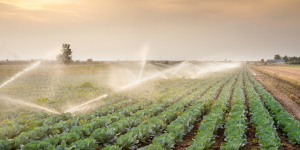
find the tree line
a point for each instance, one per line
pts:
(287, 58)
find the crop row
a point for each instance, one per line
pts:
(46, 130)
(101, 135)
(261, 119)
(26, 121)
(13, 129)
(108, 134)
(156, 125)
(283, 119)
(236, 123)
(214, 119)
(85, 130)
(185, 122)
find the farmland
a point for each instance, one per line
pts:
(186, 105)
(280, 85)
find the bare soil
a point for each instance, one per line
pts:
(285, 142)
(284, 92)
(219, 139)
(290, 74)
(188, 138)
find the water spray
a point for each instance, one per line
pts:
(28, 104)
(177, 69)
(156, 75)
(20, 73)
(167, 71)
(190, 72)
(90, 101)
(219, 67)
(143, 61)
(252, 72)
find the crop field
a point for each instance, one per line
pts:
(183, 105)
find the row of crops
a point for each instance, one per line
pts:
(65, 127)
(83, 135)
(281, 117)
(162, 119)
(13, 127)
(60, 123)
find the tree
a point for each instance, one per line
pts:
(277, 56)
(66, 55)
(285, 58)
(89, 60)
(294, 59)
(262, 61)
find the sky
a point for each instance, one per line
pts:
(169, 29)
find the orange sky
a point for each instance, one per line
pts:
(172, 29)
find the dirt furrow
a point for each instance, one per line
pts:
(189, 137)
(273, 86)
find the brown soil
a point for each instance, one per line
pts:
(285, 142)
(219, 139)
(188, 138)
(252, 141)
(220, 132)
(290, 74)
(284, 92)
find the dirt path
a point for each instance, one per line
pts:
(284, 92)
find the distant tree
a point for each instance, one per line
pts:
(277, 56)
(294, 59)
(166, 62)
(66, 55)
(262, 61)
(6, 59)
(285, 58)
(89, 60)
